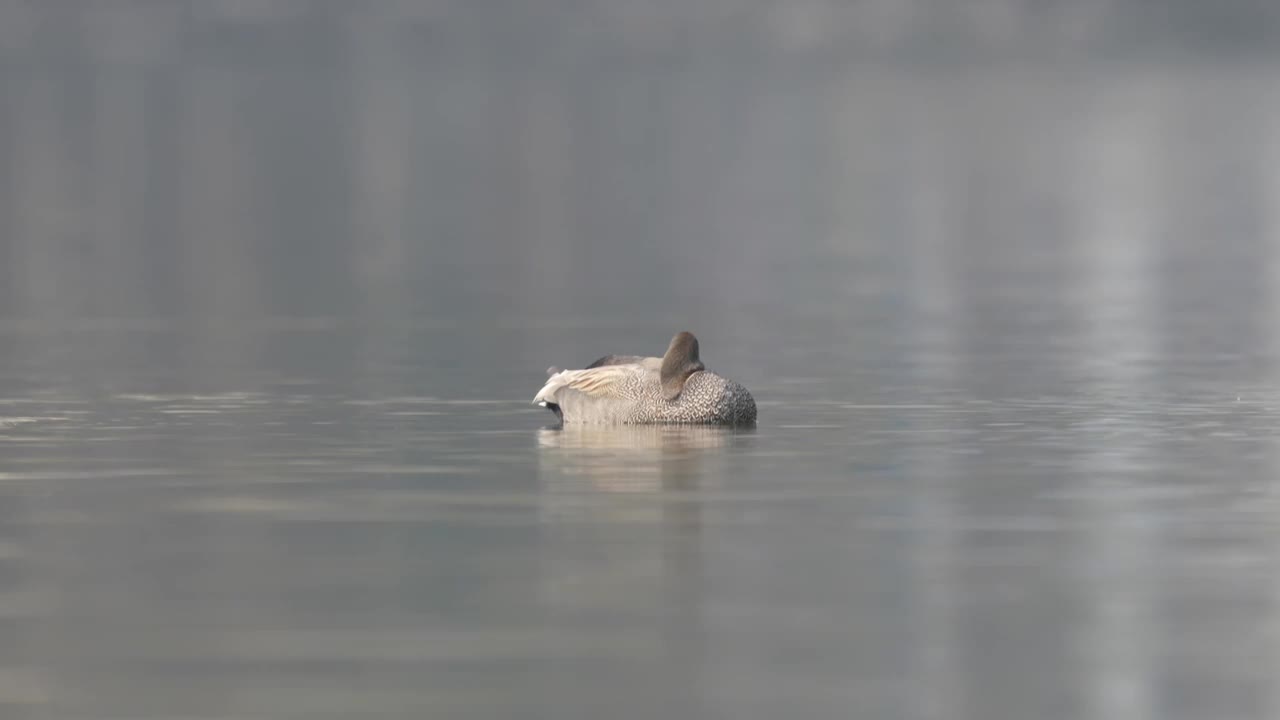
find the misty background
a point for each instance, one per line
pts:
(278, 279)
(303, 159)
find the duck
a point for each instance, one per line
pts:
(637, 390)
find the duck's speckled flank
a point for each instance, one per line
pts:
(706, 398)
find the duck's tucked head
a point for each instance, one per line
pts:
(680, 361)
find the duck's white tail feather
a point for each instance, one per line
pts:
(548, 392)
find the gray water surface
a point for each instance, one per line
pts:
(888, 542)
(273, 314)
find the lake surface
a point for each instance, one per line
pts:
(270, 333)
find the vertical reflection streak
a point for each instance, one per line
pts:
(1271, 226)
(45, 206)
(219, 230)
(1119, 195)
(382, 134)
(118, 187)
(934, 344)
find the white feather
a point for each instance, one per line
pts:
(597, 381)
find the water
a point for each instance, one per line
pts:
(282, 547)
(270, 331)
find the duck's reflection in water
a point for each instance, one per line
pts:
(634, 458)
(623, 515)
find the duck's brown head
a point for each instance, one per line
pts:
(678, 363)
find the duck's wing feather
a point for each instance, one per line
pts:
(616, 360)
(607, 360)
(600, 381)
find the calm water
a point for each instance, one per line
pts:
(270, 332)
